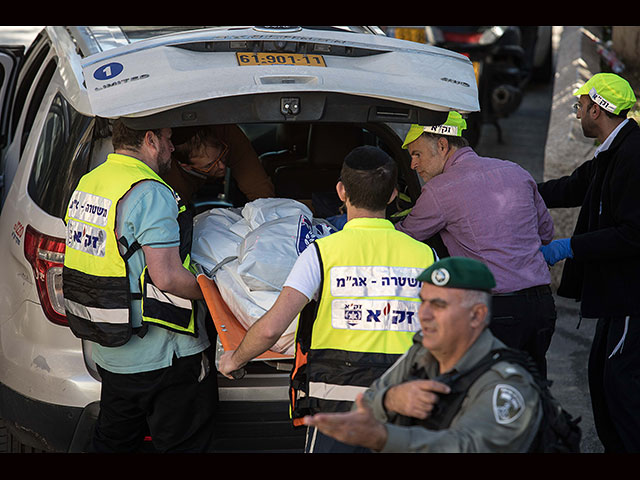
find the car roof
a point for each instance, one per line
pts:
(141, 72)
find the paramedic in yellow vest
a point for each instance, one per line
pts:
(122, 222)
(357, 298)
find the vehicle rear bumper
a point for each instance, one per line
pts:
(46, 426)
(240, 426)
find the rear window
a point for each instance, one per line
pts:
(62, 157)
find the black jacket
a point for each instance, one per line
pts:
(604, 273)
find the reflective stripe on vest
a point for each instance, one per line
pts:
(97, 315)
(95, 274)
(366, 315)
(336, 393)
(159, 306)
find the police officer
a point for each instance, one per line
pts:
(602, 257)
(408, 408)
(357, 293)
(127, 289)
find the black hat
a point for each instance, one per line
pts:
(367, 157)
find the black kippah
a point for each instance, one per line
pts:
(366, 158)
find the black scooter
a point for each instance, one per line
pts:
(502, 59)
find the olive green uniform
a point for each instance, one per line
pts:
(501, 412)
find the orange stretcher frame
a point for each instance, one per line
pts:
(230, 330)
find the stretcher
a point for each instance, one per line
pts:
(230, 330)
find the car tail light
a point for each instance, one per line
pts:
(46, 256)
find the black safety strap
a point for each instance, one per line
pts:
(460, 382)
(135, 246)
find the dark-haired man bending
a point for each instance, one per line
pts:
(357, 297)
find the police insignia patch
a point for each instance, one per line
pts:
(508, 404)
(440, 277)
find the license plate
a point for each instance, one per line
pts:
(262, 58)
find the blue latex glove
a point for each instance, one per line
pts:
(557, 250)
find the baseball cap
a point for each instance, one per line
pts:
(610, 91)
(453, 127)
(459, 272)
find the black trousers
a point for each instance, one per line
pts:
(526, 320)
(170, 404)
(614, 383)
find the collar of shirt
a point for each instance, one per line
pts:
(607, 143)
(368, 222)
(455, 156)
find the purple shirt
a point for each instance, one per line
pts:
(490, 210)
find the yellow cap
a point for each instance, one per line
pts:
(453, 127)
(609, 91)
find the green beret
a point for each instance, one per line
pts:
(459, 272)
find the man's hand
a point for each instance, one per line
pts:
(357, 427)
(557, 250)
(227, 365)
(415, 398)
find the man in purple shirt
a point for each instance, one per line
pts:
(490, 210)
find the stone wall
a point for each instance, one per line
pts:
(626, 40)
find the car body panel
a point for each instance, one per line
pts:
(39, 358)
(147, 72)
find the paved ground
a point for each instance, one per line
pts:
(524, 133)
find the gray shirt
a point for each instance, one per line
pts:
(501, 412)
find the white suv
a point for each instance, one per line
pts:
(295, 91)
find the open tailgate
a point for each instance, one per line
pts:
(163, 73)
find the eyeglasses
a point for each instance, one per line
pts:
(224, 148)
(577, 107)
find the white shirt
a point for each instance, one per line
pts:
(607, 143)
(305, 276)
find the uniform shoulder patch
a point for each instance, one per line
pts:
(508, 404)
(506, 369)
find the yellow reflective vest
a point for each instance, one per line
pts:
(365, 317)
(95, 274)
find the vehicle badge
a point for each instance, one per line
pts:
(508, 404)
(440, 277)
